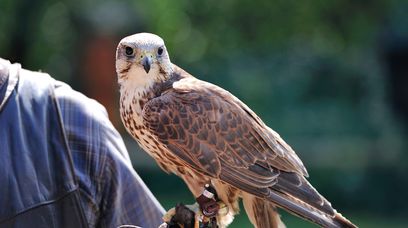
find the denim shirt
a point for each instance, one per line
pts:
(38, 185)
(62, 164)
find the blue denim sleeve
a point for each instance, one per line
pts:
(112, 193)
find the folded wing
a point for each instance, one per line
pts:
(214, 133)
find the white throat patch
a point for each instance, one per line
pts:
(135, 86)
(137, 78)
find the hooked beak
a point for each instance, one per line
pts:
(146, 62)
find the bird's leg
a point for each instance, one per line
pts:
(199, 215)
(209, 206)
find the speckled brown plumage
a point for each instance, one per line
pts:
(204, 134)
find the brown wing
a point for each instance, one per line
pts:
(207, 127)
(216, 134)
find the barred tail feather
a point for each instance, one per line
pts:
(308, 212)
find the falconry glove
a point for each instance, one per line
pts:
(199, 215)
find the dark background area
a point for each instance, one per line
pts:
(330, 76)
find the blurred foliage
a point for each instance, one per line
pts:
(318, 72)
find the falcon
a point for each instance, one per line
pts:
(204, 134)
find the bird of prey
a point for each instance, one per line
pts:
(204, 134)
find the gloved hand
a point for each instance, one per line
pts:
(180, 216)
(199, 215)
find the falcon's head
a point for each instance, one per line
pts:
(142, 58)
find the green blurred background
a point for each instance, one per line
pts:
(330, 76)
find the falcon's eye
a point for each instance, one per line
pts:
(129, 51)
(160, 51)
